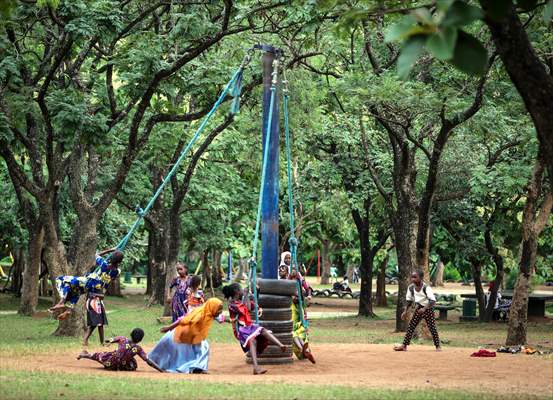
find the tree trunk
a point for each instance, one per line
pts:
(404, 226)
(325, 278)
(216, 275)
(29, 290)
(242, 270)
(438, 279)
(534, 220)
(528, 74)
(18, 266)
(114, 288)
(476, 271)
(349, 272)
(499, 267)
(381, 300)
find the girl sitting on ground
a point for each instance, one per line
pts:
(421, 295)
(252, 337)
(122, 359)
(184, 347)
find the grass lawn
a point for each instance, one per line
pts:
(24, 336)
(40, 385)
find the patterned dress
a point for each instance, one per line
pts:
(100, 278)
(121, 359)
(194, 299)
(70, 287)
(243, 327)
(179, 303)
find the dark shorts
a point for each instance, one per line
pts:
(95, 312)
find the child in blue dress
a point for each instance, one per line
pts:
(70, 288)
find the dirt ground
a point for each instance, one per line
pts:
(348, 364)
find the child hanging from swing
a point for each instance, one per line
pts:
(70, 288)
(122, 359)
(252, 337)
(421, 295)
(300, 340)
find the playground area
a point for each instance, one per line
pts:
(276, 200)
(354, 360)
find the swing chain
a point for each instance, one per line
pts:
(247, 58)
(285, 90)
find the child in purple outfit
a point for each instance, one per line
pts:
(122, 359)
(180, 285)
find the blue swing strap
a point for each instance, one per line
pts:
(253, 260)
(233, 86)
(293, 241)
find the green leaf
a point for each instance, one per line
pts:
(469, 55)
(548, 12)
(400, 30)
(442, 44)
(410, 52)
(422, 15)
(443, 5)
(460, 14)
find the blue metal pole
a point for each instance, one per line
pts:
(269, 208)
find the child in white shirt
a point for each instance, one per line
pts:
(422, 296)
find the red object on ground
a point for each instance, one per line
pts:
(483, 353)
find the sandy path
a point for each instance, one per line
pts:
(347, 364)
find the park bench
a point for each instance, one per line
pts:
(536, 302)
(443, 309)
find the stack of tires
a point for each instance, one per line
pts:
(275, 298)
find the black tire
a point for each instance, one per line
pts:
(283, 287)
(278, 326)
(348, 294)
(273, 301)
(276, 314)
(315, 293)
(285, 338)
(326, 293)
(272, 361)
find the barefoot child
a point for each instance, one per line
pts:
(252, 337)
(180, 286)
(104, 271)
(95, 316)
(300, 340)
(422, 296)
(194, 296)
(122, 359)
(184, 347)
(70, 289)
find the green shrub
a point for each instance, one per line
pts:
(452, 274)
(511, 280)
